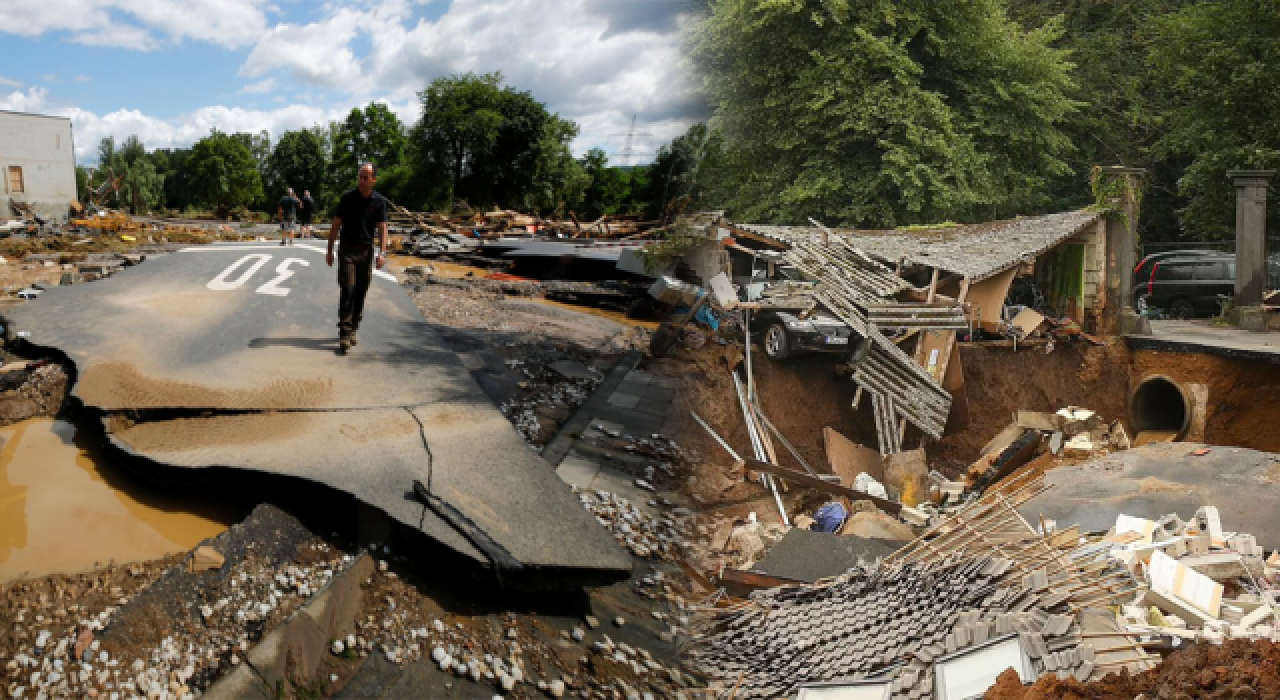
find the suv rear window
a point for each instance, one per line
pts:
(1211, 271)
(1174, 272)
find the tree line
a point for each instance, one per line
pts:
(477, 142)
(885, 113)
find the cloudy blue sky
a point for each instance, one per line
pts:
(170, 70)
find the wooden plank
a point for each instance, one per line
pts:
(848, 459)
(987, 299)
(818, 484)
(741, 583)
(953, 381)
(764, 240)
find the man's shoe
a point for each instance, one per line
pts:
(353, 339)
(344, 345)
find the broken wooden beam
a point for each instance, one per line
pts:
(818, 484)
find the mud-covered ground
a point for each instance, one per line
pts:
(1236, 669)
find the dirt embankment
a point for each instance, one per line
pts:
(800, 397)
(1244, 395)
(1000, 382)
(1237, 669)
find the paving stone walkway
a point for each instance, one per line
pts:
(638, 407)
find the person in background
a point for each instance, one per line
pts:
(305, 213)
(288, 213)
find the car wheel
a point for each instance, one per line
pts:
(1182, 309)
(776, 343)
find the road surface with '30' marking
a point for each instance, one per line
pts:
(226, 356)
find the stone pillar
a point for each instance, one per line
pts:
(1122, 238)
(1251, 244)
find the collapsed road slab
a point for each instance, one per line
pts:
(1155, 480)
(225, 356)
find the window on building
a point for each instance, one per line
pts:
(15, 180)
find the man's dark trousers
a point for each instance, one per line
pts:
(355, 270)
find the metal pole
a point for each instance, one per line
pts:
(746, 328)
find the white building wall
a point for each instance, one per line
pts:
(42, 147)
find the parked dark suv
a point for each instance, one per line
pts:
(1142, 271)
(1190, 286)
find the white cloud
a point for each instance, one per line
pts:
(33, 100)
(9, 82)
(260, 87)
(178, 132)
(138, 24)
(598, 62)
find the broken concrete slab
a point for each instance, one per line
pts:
(1152, 481)
(1222, 566)
(803, 555)
(224, 357)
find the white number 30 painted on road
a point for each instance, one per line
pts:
(221, 283)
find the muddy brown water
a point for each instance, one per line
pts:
(64, 509)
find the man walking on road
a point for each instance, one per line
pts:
(288, 212)
(305, 213)
(359, 214)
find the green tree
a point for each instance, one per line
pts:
(1125, 105)
(82, 184)
(1219, 63)
(298, 162)
(223, 172)
(141, 184)
(884, 112)
(611, 190)
(487, 143)
(692, 172)
(177, 177)
(373, 135)
(460, 124)
(556, 177)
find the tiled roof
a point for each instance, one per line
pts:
(874, 618)
(976, 250)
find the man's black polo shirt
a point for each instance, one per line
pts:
(360, 217)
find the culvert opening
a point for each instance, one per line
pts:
(1160, 405)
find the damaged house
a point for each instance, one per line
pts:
(907, 294)
(38, 164)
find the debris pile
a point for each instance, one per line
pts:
(644, 535)
(74, 651)
(1075, 606)
(1201, 582)
(514, 654)
(553, 388)
(897, 618)
(1072, 432)
(506, 222)
(29, 389)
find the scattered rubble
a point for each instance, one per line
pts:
(644, 535)
(30, 389)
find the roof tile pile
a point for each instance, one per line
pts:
(874, 619)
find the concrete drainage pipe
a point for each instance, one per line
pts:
(1160, 405)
